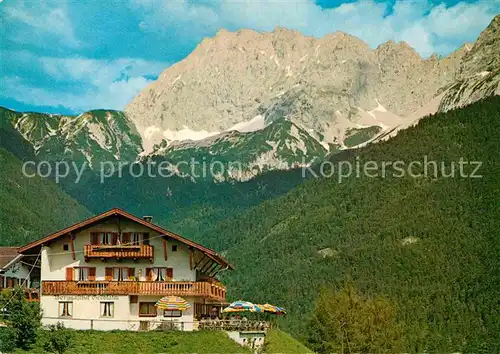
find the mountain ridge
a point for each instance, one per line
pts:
(92, 137)
(336, 89)
(238, 72)
(241, 156)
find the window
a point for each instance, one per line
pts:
(174, 248)
(65, 308)
(135, 238)
(107, 309)
(147, 309)
(172, 313)
(106, 238)
(65, 247)
(120, 274)
(82, 274)
(159, 274)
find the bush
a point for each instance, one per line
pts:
(22, 319)
(58, 339)
(6, 342)
(347, 321)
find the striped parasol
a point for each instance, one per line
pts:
(242, 306)
(273, 309)
(173, 303)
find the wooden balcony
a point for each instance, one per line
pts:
(119, 251)
(179, 288)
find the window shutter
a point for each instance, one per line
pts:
(145, 238)
(69, 274)
(92, 273)
(108, 275)
(126, 238)
(134, 299)
(94, 238)
(131, 272)
(148, 274)
(170, 273)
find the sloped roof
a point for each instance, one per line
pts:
(116, 211)
(7, 254)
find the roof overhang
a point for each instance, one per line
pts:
(11, 263)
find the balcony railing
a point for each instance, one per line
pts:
(179, 288)
(119, 251)
(234, 325)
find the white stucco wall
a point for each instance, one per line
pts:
(86, 313)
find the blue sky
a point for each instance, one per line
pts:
(71, 56)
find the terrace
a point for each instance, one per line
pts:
(163, 288)
(139, 251)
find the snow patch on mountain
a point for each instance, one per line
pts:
(281, 145)
(187, 134)
(256, 123)
(153, 135)
(299, 143)
(97, 134)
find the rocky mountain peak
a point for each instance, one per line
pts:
(484, 56)
(328, 85)
(402, 51)
(93, 136)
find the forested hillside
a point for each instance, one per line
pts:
(179, 204)
(31, 207)
(429, 245)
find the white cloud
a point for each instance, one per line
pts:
(94, 83)
(425, 27)
(31, 23)
(99, 72)
(113, 96)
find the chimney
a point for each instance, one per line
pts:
(148, 218)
